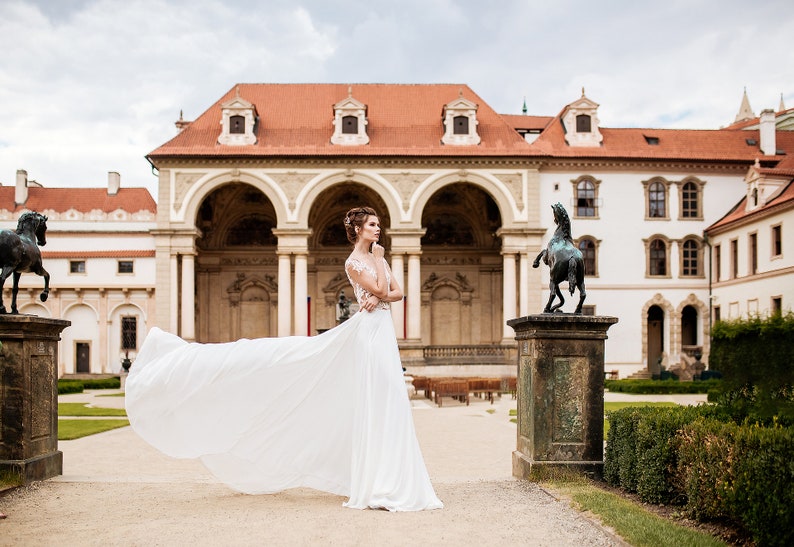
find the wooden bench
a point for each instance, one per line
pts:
(458, 389)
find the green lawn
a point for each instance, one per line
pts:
(81, 409)
(75, 429)
(632, 522)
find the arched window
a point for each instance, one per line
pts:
(690, 258)
(689, 326)
(755, 197)
(583, 123)
(588, 248)
(460, 125)
(690, 206)
(350, 125)
(237, 124)
(657, 257)
(657, 194)
(585, 199)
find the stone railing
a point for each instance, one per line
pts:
(470, 354)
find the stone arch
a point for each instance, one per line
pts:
(83, 330)
(667, 308)
(34, 308)
(703, 322)
(449, 303)
(196, 195)
(508, 209)
(253, 303)
(114, 339)
(306, 200)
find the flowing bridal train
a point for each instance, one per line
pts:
(329, 412)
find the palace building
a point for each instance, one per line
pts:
(246, 239)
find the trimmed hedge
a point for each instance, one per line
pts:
(756, 357)
(716, 469)
(77, 386)
(661, 386)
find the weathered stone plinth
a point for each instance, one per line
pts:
(560, 393)
(29, 397)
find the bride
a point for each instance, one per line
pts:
(329, 412)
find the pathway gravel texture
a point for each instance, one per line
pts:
(117, 490)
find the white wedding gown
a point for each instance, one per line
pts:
(329, 412)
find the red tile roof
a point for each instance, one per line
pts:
(406, 120)
(296, 120)
(83, 200)
(755, 121)
(785, 200)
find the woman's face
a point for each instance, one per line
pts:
(370, 229)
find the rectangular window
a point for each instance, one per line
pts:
(777, 305)
(129, 332)
(753, 244)
(734, 259)
(588, 310)
(125, 267)
(777, 240)
(77, 266)
(716, 313)
(717, 263)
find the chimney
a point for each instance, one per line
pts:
(114, 182)
(767, 131)
(21, 192)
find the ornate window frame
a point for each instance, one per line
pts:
(699, 184)
(596, 201)
(648, 184)
(667, 245)
(455, 109)
(234, 110)
(596, 244)
(699, 269)
(350, 107)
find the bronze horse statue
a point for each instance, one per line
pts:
(564, 261)
(19, 253)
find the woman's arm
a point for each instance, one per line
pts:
(395, 293)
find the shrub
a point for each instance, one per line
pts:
(102, 383)
(69, 386)
(661, 386)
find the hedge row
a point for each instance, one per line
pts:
(690, 456)
(660, 386)
(755, 357)
(77, 386)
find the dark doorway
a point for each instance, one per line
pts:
(655, 339)
(689, 326)
(82, 353)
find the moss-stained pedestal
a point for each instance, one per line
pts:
(29, 397)
(560, 393)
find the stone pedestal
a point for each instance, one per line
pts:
(29, 397)
(560, 393)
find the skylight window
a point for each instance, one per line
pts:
(654, 141)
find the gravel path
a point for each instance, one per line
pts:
(116, 490)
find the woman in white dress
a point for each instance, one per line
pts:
(329, 412)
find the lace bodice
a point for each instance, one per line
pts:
(361, 293)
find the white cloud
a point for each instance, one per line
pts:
(89, 86)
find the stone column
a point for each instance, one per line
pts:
(301, 293)
(173, 323)
(414, 297)
(29, 397)
(509, 300)
(560, 393)
(188, 308)
(398, 308)
(284, 294)
(523, 284)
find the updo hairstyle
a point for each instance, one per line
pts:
(355, 218)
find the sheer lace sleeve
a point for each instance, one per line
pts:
(353, 264)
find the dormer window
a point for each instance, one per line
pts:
(350, 122)
(237, 124)
(238, 120)
(460, 122)
(350, 125)
(583, 123)
(461, 125)
(580, 121)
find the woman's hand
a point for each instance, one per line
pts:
(377, 251)
(370, 303)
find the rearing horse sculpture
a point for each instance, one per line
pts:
(564, 261)
(19, 253)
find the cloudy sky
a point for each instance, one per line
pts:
(91, 86)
